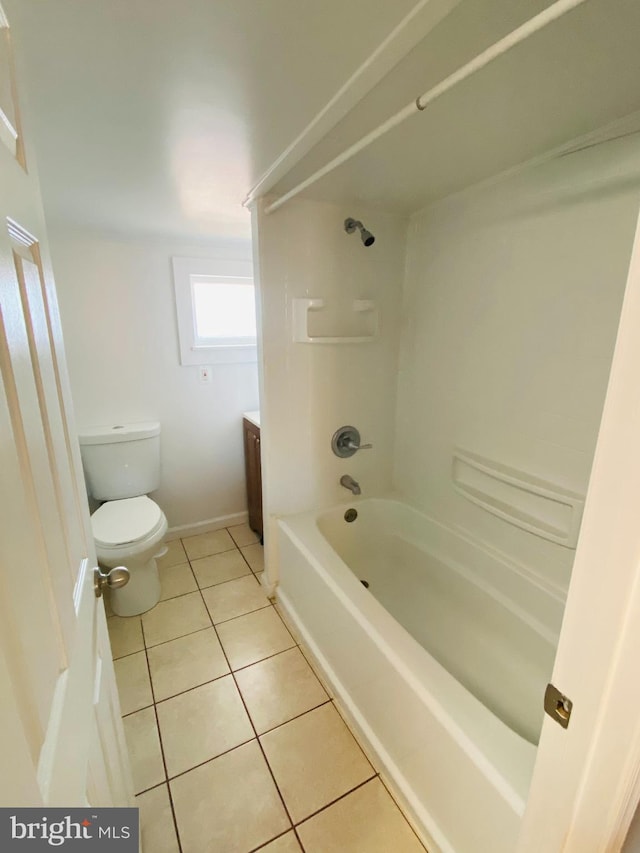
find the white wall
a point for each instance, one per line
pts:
(511, 305)
(309, 390)
(119, 320)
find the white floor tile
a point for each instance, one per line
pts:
(251, 638)
(134, 685)
(365, 821)
(175, 618)
(143, 744)
(279, 688)
(157, 830)
(229, 804)
(234, 598)
(185, 663)
(314, 760)
(201, 724)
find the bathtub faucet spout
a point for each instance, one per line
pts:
(349, 483)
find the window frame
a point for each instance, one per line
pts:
(226, 270)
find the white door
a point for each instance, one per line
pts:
(586, 780)
(61, 736)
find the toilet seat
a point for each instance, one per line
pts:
(126, 521)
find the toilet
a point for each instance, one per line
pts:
(121, 465)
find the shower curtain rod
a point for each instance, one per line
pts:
(538, 22)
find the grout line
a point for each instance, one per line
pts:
(337, 799)
(180, 636)
(226, 580)
(144, 708)
(128, 655)
(262, 660)
(299, 840)
(152, 788)
(247, 561)
(311, 663)
(210, 759)
(327, 701)
(157, 701)
(173, 597)
(297, 717)
(146, 649)
(257, 737)
(244, 704)
(248, 613)
(397, 805)
(233, 547)
(190, 689)
(246, 544)
(275, 782)
(306, 654)
(268, 657)
(164, 762)
(271, 840)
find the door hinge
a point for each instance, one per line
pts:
(557, 705)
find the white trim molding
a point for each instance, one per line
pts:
(224, 269)
(206, 526)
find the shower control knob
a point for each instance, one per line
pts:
(346, 441)
(113, 579)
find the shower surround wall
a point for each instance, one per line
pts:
(511, 305)
(309, 390)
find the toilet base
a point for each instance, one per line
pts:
(141, 593)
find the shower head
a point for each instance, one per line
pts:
(350, 225)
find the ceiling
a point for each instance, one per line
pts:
(576, 75)
(156, 116)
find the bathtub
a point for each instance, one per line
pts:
(440, 664)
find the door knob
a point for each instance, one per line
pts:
(113, 579)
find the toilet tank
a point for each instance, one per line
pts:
(121, 461)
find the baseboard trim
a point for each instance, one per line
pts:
(205, 526)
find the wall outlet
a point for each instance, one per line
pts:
(204, 374)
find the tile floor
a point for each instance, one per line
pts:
(235, 745)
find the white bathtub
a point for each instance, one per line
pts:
(441, 663)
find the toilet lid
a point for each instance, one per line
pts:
(128, 520)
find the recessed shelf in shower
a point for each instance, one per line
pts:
(542, 508)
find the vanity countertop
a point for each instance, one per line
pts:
(254, 417)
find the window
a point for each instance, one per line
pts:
(215, 301)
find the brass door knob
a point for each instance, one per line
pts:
(113, 579)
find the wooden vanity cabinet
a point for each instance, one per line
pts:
(253, 474)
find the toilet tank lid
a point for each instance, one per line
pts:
(118, 432)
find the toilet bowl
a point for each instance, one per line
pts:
(129, 533)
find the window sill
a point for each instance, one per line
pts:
(227, 354)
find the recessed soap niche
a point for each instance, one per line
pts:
(524, 500)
